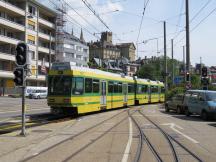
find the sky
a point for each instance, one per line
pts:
(123, 18)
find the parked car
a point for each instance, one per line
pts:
(175, 103)
(38, 94)
(201, 102)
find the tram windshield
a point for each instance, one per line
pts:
(59, 85)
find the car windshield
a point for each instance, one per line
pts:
(211, 96)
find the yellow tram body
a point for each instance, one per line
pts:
(84, 90)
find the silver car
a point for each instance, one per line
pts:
(38, 94)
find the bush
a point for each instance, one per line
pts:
(175, 90)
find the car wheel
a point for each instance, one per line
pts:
(187, 112)
(204, 115)
(166, 108)
(179, 110)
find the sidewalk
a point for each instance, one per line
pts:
(16, 148)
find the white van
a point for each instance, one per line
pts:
(35, 90)
(38, 94)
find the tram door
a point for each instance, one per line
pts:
(125, 92)
(103, 93)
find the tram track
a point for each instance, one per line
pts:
(170, 140)
(77, 135)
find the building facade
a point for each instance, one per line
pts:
(30, 22)
(75, 50)
(128, 51)
(104, 49)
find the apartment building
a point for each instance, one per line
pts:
(75, 50)
(30, 22)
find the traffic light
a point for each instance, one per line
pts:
(19, 76)
(204, 72)
(21, 54)
(187, 76)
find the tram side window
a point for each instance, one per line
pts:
(139, 89)
(88, 85)
(95, 86)
(120, 88)
(162, 90)
(110, 87)
(130, 88)
(78, 86)
(144, 88)
(154, 89)
(115, 87)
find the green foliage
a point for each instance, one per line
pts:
(154, 69)
(195, 81)
(180, 89)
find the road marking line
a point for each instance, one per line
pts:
(173, 125)
(127, 149)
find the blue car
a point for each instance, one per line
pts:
(201, 102)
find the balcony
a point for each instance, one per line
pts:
(6, 56)
(9, 40)
(46, 37)
(12, 24)
(12, 8)
(46, 23)
(45, 50)
(6, 74)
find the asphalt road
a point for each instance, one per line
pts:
(11, 107)
(113, 136)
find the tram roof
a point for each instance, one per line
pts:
(67, 67)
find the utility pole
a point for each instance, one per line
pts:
(173, 75)
(157, 48)
(165, 61)
(187, 39)
(200, 66)
(50, 45)
(184, 68)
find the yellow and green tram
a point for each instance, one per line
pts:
(82, 90)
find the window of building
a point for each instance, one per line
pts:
(88, 85)
(69, 55)
(85, 59)
(32, 10)
(70, 46)
(85, 50)
(31, 24)
(78, 48)
(96, 86)
(31, 27)
(79, 57)
(32, 54)
(31, 42)
(31, 39)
